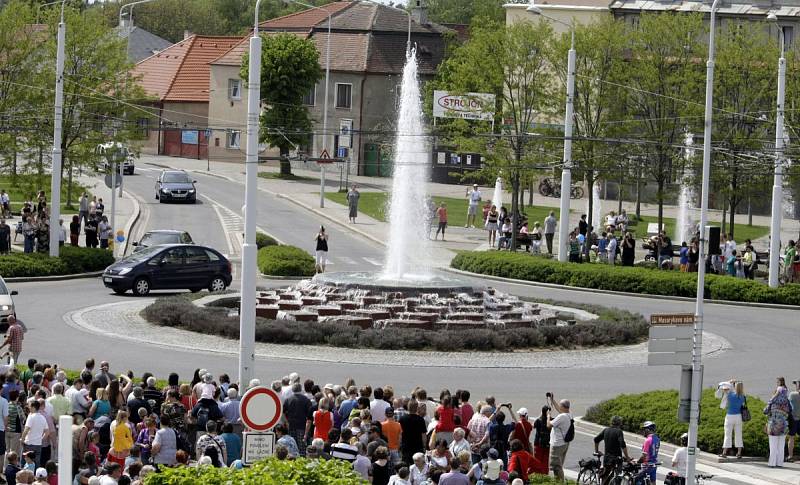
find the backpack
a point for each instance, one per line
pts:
(202, 418)
(570, 432)
(180, 442)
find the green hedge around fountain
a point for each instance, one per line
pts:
(521, 266)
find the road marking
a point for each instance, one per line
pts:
(373, 262)
(224, 228)
(346, 260)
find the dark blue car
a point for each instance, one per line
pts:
(169, 267)
(175, 185)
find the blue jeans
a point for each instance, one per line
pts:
(29, 243)
(37, 450)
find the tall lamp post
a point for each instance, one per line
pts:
(697, 337)
(566, 170)
(777, 184)
(130, 11)
(325, 103)
(247, 312)
(58, 120)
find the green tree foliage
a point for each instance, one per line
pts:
(663, 88)
(465, 11)
(267, 472)
(289, 69)
(510, 62)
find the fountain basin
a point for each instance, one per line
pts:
(438, 283)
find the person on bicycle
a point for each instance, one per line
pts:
(679, 461)
(650, 448)
(613, 446)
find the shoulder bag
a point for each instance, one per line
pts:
(745, 412)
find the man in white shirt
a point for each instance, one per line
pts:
(78, 398)
(36, 430)
(559, 428)
(377, 407)
(680, 458)
(612, 249)
(113, 474)
(472, 209)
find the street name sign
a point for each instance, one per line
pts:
(672, 319)
(257, 446)
(670, 339)
(260, 408)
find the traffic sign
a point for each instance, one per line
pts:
(257, 446)
(669, 358)
(260, 408)
(341, 152)
(109, 180)
(672, 319)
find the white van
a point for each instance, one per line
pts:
(127, 165)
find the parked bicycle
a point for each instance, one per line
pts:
(589, 473)
(548, 188)
(673, 479)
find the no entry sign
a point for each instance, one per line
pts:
(260, 408)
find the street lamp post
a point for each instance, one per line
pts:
(566, 170)
(247, 310)
(325, 103)
(58, 120)
(130, 11)
(777, 184)
(697, 337)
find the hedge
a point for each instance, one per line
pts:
(661, 407)
(72, 260)
(613, 327)
(270, 471)
(264, 240)
(285, 261)
(619, 278)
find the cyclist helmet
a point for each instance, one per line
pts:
(685, 439)
(649, 426)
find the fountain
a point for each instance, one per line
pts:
(684, 225)
(497, 197)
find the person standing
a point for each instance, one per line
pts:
(62, 233)
(794, 418)
(472, 209)
(491, 225)
(35, 431)
(441, 213)
(83, 209)
(74, 231)
(583, 226)
(559, 434)
(14, 337)
(352, 202)
(322, 250)
(614, 447)
(550, 230)
(104, 231)
(29, 232)
(736, 400)
(5, 237)
(541, 443)
(90, 229)
(628, 250)
(612, 249)
(777, 412)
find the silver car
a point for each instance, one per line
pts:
(162, 236)
(6, 305)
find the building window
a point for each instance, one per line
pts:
(234, 138)
(234, 89)
(311, 97)
(344, 96)
(788, 36)
(143, 127)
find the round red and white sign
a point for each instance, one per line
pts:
(260, 408)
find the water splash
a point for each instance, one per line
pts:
(497, 197)
(408, 245)
(684, 225)
(597, 207)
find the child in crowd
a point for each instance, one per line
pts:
(12, 467)
(29, 457)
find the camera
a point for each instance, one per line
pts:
(549, 395)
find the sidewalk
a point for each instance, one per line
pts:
(306, 193)
(754, 472)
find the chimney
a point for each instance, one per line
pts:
(186, 34)
(420, 12)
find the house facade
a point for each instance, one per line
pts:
(368, 46)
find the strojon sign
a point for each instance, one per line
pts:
(470, 106)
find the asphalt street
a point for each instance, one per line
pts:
(764, 341)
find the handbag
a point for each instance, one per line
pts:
(745, 412)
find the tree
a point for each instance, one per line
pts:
(509, 61)
(600, 51)
(464, 11)
(744, 89)
(289, 69)
(664, 80)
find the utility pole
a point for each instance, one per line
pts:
(777, 183)
(58, 120)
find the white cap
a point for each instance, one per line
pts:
(41, 473)
(523, 411)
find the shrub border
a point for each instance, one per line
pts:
(776, 306)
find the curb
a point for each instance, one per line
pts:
(773, 306)
(27, 279)
(283, 278)
(330, 218)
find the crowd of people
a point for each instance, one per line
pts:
(34, 224)
(126, 427)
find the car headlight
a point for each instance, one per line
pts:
(166, 191)
(125, 271)
(191, 190)
(5, 308)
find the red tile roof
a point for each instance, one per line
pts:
(181, 72)
(304, 19)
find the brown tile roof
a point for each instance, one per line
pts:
(181, 72)
(349, 50)
(233, 57)
(304, 19)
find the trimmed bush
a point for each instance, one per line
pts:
(618, 278)
(266, 472)
(285, 261)
(613, 327)
(264, 240)
(661, 407)
(72, 260)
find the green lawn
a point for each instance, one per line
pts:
(280, 176)
(741, 231)
(21, 187)
(373, 204)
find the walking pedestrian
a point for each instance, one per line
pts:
(441, 213)
(14, 337)
(472, 208)
(777, 412)
(550, 230)
(74, 231)
(322, 250)
(5, 237)
(352, 202)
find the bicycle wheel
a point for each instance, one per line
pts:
(544, 188)
(588, 476)
(576, 192)
(622, 480)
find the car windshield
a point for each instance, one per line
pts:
(3, 288)
(175, 178)
(143, 254)
(155, 238)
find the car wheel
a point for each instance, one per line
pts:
(216, 284)
(141, 286)
(120, 291)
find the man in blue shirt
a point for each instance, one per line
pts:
(652, 443)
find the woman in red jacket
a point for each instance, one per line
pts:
(520, 462)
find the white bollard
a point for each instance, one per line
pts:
(65, 449)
